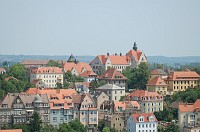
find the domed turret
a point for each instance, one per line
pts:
(37, 98)
(71, 59)
(135, 46)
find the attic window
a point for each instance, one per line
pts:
(141, 119)
(5, 106)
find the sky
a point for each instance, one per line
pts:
(93, 27)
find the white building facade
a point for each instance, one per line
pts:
(142, 122)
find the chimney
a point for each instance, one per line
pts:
(120, 54)
(107, 54)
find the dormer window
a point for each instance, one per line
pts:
(151, 119)
(141, 119)
(4, 105)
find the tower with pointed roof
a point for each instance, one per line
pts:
(135, 46)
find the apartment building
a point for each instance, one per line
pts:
(142, 122)
(49, 75)
(149, 101)
(88, 76)
(181, 80)
(120, 62)
(158, 85)
(189, 117)
(61, 109)
(113, 91)
(112, 76)
(18, 108)
(85, 110)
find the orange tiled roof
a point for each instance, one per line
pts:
(183, 75)
(156, 81)
(197, 103)
(186, 108)
(145, 115)
(35, 62)
(68, 66)
(144, 93)
(88, 74)
(87, 84)
(136, 54)
(125, 104)
(112, 73)
(115, 59)
(49, 70)
(50, 91)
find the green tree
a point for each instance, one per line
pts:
(172, 128)
(19, 71)
(101, 125)
(59, 85)
(48, 128)
(35, 123)
(137, 77)
(53, 63)
(24, 127)
(106, 129)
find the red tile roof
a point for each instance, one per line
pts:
(135, 54)
(145, 115)
(115, 59)
(50, 91)
(125, 104)
(87, 84)
(183, 75)
(87, 74)
(68, 66)
(10, 77)
(186, 108)
(144, 93)
(156, 81)
(112, 73)
(48, 70)
(35, 62)
(190, 107)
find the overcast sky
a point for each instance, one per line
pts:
(92, 27)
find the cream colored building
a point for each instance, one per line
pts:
(120, 62)
(149, 101)
(189, 117)
(158, 85)
(181, 80)
(113, 91)
(49, 75)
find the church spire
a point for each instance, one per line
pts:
(135, 46)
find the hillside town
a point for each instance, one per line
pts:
(113, 93)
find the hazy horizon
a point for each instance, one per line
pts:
(87, 28)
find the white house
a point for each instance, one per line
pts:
(142, 122)
(113, 91)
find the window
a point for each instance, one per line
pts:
(54, 119)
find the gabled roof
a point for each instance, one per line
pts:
(115, 59)
(158, 72)
(110, 86)
(47, 70)
(125, 104)
(87, 74)
(34, 62)
(144, 93)
(136, 54)
(145, 115)
(87, 84)
(156, 81)
(112, 73)
(68, 66)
